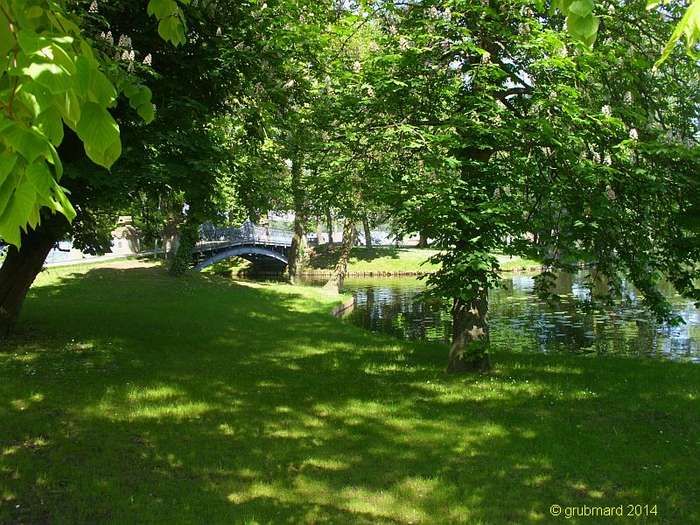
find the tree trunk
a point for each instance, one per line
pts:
(22, 265)
(470, 336)
(171, 238)
(188, 237)
(296, 252)
(341, 268)
(422, 240)
(319, 231)
(329, 226)
(368, 232)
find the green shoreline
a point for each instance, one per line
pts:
(203, 400)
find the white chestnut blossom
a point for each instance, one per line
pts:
(93, 7)
(628, 97)
(357, 66)
(605, 110)
(148, 59)
(124, 41)
(610, 193)
(633, 134)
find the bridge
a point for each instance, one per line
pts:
(258, 244)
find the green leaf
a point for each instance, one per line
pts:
(8, 161)
(583, 27)
(69, 106)
(39, 177)
(52, 77)
(688, 26)
(100, 135)
(162, 8)
(140, 99)
(93, 84)
(26, 141)
(17, 213)
(172, 30)
(581, 8)
(50, 124)
(7, 40)
(61, 203)
(146, 112)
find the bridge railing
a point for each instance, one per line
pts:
(246, 234)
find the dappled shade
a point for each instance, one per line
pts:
(131, 396)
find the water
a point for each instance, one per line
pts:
(521, 322)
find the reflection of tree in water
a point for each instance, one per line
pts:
(399, 311)
(520, 321)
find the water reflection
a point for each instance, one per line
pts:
(523, 323)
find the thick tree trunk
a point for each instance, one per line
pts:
(329, 226)
(296, 252)
(22, 265)
(341, 268)
(470, 336)
(171, 239)
(368, 232)
(182, 259)
(422, 240)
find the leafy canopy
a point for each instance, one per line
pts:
(52, 76)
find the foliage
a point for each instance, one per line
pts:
(688, 26)
(52, 75)
(513, 139)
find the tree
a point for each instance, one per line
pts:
(517, 140)
(180, 155)
(54, 76)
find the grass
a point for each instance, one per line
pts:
(378, 260)
(132, 397)
(516, 264)
(389, 260)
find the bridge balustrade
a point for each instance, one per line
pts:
(246, 234)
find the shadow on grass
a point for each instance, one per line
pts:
(132, 396)
(325, 258)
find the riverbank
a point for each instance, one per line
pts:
(130, 396)
(390, 261)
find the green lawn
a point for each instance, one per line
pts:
(388, 260)
(132, 397)
(377, 260)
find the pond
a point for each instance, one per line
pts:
(521, 322)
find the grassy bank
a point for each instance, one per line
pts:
(387, 260)
(132, 397)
